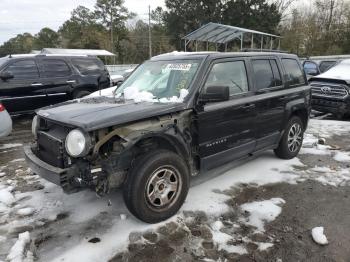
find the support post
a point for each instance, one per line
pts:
(225, 47)
(262, 42)
(185, 45)
(271, 43)
(279, 43)
(241, 41)
(149, 32)
(252, 44)
(207, 46)
(196, 45)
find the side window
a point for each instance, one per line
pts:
(232, 74)
(294, 74)
(88, 66)
(24, 69)
(263, 75)
(325, 65)
(276, 73)
(55, 68)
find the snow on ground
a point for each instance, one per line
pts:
(8, 146)
(261, 212)
(18, 251)
(318, 236)
(74, 219)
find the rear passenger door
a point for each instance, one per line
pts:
(23, 92)
(270, 100)
(226, 129)
(57, 78)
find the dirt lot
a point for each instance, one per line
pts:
(314, 191)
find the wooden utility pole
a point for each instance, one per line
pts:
(112, 40)
(149, 32)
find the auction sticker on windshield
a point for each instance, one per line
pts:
(180, 67)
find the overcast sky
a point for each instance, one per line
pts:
(19, 16)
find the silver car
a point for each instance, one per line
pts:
(6, 122)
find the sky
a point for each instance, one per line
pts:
(19, 16)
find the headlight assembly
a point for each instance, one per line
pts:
(78, 143)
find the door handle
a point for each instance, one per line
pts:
(71, 82)
(283, 98)
(248, 106)
(36, 84)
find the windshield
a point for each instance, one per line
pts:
(3, 60)
(163, 81)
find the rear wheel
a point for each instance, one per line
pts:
(292, 139)
(156, 186)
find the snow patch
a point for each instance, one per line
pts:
(8, 146)
(25, 211)
(262, 211)
(222, 239)
(6, 197)
(17, 252)
(262, 246)
(342, 156)
(318, 236)
(2, 174)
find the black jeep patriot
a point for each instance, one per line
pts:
(176, 116)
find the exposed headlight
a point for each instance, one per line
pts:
(77, 143)
(35, 126)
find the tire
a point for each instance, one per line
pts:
(291, 150)
(169, 173)
(81, 93)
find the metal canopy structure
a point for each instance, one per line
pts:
(89, 52)
(223, 34)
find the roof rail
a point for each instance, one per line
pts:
(263, 50)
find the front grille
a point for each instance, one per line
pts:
(51, 149)
(329, 90)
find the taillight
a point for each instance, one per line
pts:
(2, 108)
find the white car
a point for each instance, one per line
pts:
(6, 122)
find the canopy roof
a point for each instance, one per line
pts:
(91, 52)
(218, 33)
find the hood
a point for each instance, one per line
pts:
(340, 72)
(95, 113)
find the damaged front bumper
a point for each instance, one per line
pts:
(58, 176)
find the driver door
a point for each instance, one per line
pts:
(226, 129)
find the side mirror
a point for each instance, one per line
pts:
(5, 75)
(215, 94)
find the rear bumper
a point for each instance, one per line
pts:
(53, 174)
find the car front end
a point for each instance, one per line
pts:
(330, 90)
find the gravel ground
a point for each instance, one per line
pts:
(317, 198)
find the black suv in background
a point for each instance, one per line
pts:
(28, 82)
(176, 116)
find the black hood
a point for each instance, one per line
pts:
(95, 113)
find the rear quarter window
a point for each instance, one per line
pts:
(88, 66)
(294, 74)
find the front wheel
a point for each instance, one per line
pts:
(292, 139)
(156, 186)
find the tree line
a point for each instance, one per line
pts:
(320, 29)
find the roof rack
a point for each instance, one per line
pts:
(263, 50)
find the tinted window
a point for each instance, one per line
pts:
(24, 69)
(276, 73)
(263, 74)
(88, 66)
(55, 68)
(325, 65)
(294, 75)
(310, 68)
(232, 74)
